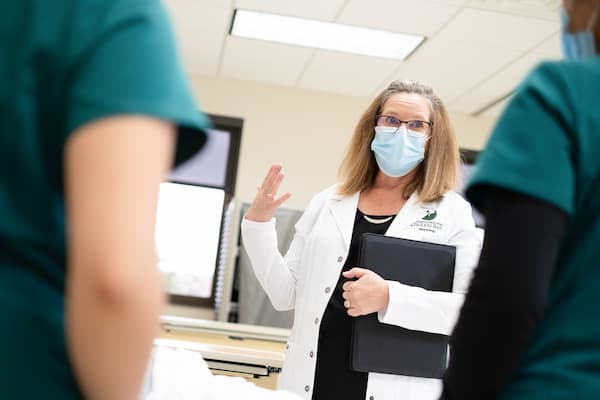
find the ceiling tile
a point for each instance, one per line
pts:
(405, 16)
(453, 2)
(499, 85)
(200, 29)
(521, 67)
(497, 29)
(497, 109)
(452, 68)
(317, 9)
(550, 47)
(262, 61)
(488, 92)
(547, 9)
(220, 3)
(505, 80)
(339, 73)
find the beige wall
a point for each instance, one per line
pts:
(307, 132)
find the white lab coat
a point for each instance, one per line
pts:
(305, 278)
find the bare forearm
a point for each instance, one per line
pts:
(110, 335)
(113, 287)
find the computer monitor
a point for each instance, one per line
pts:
(215, 165)
(190, 215)
(188, 231)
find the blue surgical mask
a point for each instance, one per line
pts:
(579, 45)
(398, 152)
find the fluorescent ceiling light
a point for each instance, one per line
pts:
(323, 35)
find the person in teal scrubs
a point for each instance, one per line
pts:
(91, 95)
(530, 328)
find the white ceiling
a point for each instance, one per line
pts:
(475, 53)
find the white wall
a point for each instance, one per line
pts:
(305, 131)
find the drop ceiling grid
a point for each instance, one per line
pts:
(496, 31)
(472, 46)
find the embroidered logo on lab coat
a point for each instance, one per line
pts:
(430, 215)
(427, 224)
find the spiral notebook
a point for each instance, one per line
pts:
(390, 349)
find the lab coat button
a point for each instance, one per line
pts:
(316, 321)
(340, 259)
(371, 397)
(327, 289)
(306, 388)
(311, 354)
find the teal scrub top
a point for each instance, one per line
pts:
(547, 145)
(64, 63)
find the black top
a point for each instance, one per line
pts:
(521, 248)
(333, 377)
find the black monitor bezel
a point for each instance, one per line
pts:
(234, 126)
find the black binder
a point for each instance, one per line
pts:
(391, 349)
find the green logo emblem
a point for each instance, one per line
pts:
(430, 215)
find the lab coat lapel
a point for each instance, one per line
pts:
(343, 209)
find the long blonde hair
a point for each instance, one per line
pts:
(436, 175)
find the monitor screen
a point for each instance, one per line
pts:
(208, 167)
(188, 229)
(215, 164)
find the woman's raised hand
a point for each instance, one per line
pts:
(266, 202)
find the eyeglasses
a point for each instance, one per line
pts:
(421, 127)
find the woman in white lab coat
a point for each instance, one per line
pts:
(396, 179)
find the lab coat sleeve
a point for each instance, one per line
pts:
(276, 278)
(437, 312)
(277, 275)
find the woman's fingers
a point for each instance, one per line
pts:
(277, 181)
(271, 184)
(270, 178)
(283, 199)
(266, 201)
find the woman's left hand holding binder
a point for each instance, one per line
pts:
(365, 293)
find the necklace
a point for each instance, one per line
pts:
(377, 221)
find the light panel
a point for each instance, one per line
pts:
(323, 35)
